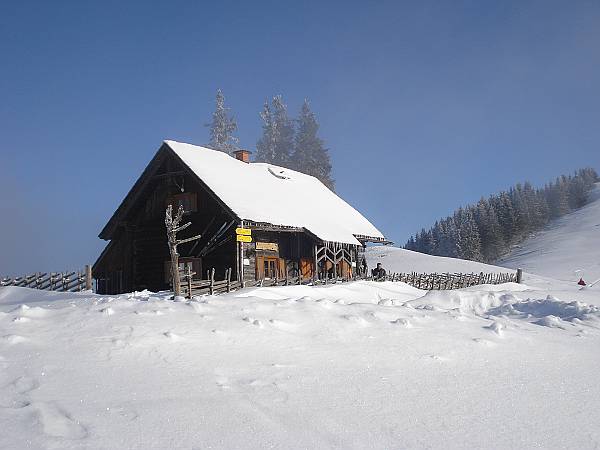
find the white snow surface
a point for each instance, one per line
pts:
(266, 193)
(352, 365)
(395, 259)
(568, 249)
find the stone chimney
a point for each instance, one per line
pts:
(242, 155)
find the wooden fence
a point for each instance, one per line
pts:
(443, 281)
(54, 281)
(426, 281)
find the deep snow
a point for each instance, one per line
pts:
(361, 365)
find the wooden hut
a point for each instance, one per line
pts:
(293, 222)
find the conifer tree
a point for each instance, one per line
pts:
(486, 231)
(469, 243)
(276, 144)
(222, 127)
(310, 155)
(285, 133)
(266, 147)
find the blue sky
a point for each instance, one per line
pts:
(424, 106)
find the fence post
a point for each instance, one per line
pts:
(212, 281)
(188, 275)
(88, 277)
(229, 280)
(519, 275)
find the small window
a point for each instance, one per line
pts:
(270, 268)
(188, 200)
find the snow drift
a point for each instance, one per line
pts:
(361, 365)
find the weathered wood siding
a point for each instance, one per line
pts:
(135, 257)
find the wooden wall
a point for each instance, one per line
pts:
(138, 250)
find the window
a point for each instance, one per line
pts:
(188, 200)
(270, 268)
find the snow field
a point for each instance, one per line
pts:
(567, 249)
(359, 365)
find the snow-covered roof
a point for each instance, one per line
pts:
(260, 192)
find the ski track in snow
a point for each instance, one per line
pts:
(359, 365)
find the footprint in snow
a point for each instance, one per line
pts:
(13, 393)
(57, 422)
(496, 327)
(21, 319)
(154, 312)
(386, 302)
(254, 322)
(172, 336)
(107, 311)
(355, 319)
(435, 358)
(402, 322)
(24, 384)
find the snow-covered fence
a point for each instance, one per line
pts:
(426, 281)
(54, 281)
(443, 281)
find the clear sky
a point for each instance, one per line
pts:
(424, 106)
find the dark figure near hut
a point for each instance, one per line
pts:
(378, 272)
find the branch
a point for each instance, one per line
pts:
(182, 227)
(183, 241)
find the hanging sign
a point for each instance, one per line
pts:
(242, 238)
(269, 246)
(243, 232)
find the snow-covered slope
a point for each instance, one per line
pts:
(568, 249)
(358, 365)
(396, 259)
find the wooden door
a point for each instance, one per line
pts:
(306, 267)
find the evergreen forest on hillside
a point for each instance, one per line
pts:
(487, 230)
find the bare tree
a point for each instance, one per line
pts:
(172, 224)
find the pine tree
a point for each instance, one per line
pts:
(506, 217)
(285, 133)
(277, 141)
(492, 243)
(469, 243)
(448, 242)
(266, 145)
(487, 230)
(310, 155)
(222, 127)
(558, 198)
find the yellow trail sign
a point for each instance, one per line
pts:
(242, 238)
(243, 231)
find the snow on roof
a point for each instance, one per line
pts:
(266, 193)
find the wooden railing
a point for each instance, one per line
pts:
(425, 281)
(53, 281)
(443, 281)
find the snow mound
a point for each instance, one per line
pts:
(476, 302)
(550, 307)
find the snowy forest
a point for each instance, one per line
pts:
(486, 231)
(286, 142)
